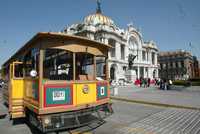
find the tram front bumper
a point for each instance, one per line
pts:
(60, 121)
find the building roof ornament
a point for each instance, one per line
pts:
(98, 7)
(98, 18)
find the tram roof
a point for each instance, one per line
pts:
(47, 35)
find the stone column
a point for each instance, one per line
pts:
(106, 41)
(109, 54)
(139, 54)
(146, 53)
(151, 73)
(118, 50)
(147, 72)
(126, 51)
(109, 66)
(138, 72)
(147, 56)
(156, 58)
(150, 57)
(157, 73)
(117, 72)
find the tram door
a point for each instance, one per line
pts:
(16, 90)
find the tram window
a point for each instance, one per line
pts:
(18, 70)
(31, 62)
(84, 66)
(100, 68)
(58, 65)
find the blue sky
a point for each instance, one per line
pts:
(172, 24)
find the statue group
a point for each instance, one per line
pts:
(131, 73)
(131, 59)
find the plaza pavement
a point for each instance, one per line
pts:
(178, 96)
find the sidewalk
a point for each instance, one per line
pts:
(181, 97)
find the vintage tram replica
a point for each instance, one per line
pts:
(58, 81)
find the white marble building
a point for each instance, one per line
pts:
(124, 41)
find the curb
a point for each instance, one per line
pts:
(154, 103)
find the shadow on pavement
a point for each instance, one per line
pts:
(79, 130)
(178, 88)
(2, 116)
(18, 121)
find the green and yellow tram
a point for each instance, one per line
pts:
(58, 81)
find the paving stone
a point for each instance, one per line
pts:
(170, 121)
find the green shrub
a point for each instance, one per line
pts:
(178, 82)
(195, 83)
(181, 83)
(194, 79)
(186, 83)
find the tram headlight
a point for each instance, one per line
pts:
(57, 125)
(47, 120)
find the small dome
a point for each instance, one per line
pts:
(98, 18)
(152, 45)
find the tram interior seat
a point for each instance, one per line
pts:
(61, 77)
(85, 77)
(90, 77)
(82, 77)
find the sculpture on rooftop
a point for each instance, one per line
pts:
(98, 6)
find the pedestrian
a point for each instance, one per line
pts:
(141, 81)
(156, 82)
(145, 82)
(161, 84)
(165, 84)
(137, 82)
(149, 82)
(170, 83)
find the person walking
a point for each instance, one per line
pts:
(161, 84)
(165, 84)
(170, 84)
(149, 82)
(141, 81)
(145, 82)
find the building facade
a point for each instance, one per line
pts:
(176, 65)
(123, 41)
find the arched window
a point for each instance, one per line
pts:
(122, 51)
(133, 47)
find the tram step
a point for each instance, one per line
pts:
(17, 115)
